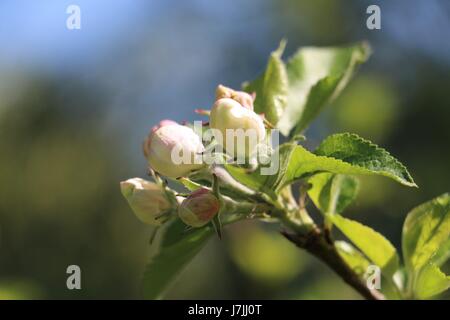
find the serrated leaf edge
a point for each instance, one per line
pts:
(376, 147)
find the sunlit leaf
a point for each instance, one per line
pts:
(426, 246)
(364, 154)
(426, 229)
(431, 281)
(374, 245)
(316, 76)
(354, 258)
(345, 153)
(271, 87)
(442, 255)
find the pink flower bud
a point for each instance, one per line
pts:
(173, 150)
(146, 199)
(198, 208)
(162, 123)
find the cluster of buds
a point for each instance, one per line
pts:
(174, 150)
(150, 202)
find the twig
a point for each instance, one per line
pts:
(316, 243)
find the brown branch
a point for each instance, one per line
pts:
(319, 245)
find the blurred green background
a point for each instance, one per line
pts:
(75, 106)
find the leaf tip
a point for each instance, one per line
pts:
(279, 51)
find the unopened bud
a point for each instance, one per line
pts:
(147, 142)
(199, 208)
(240, 129)
(146, 199)
(173, 150)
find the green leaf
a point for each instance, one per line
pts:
(431, 282)
(373, 161)
(271, 87)
(425, 231)
(345, 153)
(376, 247)
(354, 258)
(177, 249)
(316, 76)
(359, 263)
(426, 246)
(442, 255)
(332, 193)
(364, 154)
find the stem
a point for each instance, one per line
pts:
(304, 233)
(249, 207)
(317, 244)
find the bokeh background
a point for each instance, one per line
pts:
(75, 106)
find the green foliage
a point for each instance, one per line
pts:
(332, 193)
(426, 240)
(291, 96)
(364, 154)
(376, 247)
(354, 258)
(176, 250)
(431, 282)
(338, 154)
(426, 228)
(425, 245)
(316, 76)
(271, 87)
(345, 154)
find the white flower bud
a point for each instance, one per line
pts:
(146, 199)
(173, 150)
(228, 115)
(198, 208)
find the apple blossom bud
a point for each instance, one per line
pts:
(238, 129)
(173, 150)
(162, 123)
(199, 208)
(244, 99)
(146, 199)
